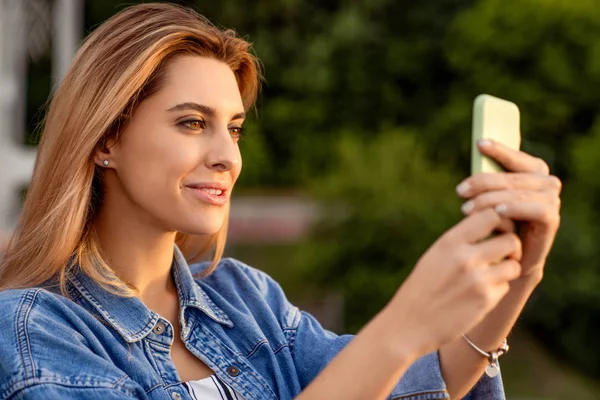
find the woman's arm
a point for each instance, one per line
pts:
(59, 391)
(369, 367)
(453, 286)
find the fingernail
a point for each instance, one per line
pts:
(484, 142)
(463, 188)
(501, 209)
(467, 207)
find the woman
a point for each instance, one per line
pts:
(135, 168)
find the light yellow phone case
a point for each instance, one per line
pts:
(495, 119)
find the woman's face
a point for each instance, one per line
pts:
(178, 158)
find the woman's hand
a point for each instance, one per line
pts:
(526, 194)
(456, 283)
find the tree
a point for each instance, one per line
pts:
(542, 54)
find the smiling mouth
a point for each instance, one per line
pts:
(213, 194)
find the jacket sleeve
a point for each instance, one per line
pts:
(43, 357)
(313, 347)
(487, 389)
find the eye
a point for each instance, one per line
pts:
(237, 132)
(193, 124)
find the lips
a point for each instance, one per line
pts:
(210, 192)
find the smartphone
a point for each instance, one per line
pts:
(496, 119)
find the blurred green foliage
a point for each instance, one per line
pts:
(367, 105)
(385, 203)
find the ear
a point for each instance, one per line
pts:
(102, 156)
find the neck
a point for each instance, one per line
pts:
(140, 254)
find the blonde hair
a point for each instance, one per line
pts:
(119, 65)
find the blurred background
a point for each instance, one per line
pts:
(360, 135)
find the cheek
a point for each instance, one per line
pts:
(153, 166)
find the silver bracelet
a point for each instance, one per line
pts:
(492, 369)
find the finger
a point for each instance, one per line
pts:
(506, 226)
(492, 199)
(505, 271)
(531, 212)
(487, 182)
(513, 160)
(499, 247)
(474, 227)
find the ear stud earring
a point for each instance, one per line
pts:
(105, 162)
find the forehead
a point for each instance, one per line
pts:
(202, 80)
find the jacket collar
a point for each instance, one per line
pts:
(130, 317)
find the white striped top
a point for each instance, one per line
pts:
(211, 388)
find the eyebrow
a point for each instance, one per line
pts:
(203, 109)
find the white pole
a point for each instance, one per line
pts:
(67, 21)
(16, 160)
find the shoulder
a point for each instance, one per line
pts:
(38, 331)
(32, 308)
(240, 285)
(22, 306)
(234, 272)
(12, 300)
(13, 297)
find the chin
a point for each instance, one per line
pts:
(206, 226)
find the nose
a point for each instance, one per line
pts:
(224, 154)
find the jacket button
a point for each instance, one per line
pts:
(175, 396)
(232, 370)
(159, 328)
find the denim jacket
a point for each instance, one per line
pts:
(99, 346)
